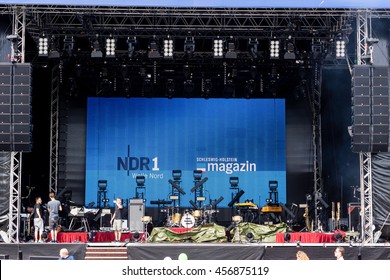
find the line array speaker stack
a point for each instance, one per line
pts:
(15, 107)
(370, 109)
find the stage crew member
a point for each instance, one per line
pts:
(116, 220)
(38, 219)
(53, 206)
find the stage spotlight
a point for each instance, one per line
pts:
(170, 88)
(53, 48)
(197, 174)
(68, 46)
(207, 86)
(338, 237)
(176, 174)
(135, 237)
(43, 46)
(140, 180)
(340, 49)
(287, 237)
(102, 185)
(154, 49)
(188, 88)
(147, 86)
(233, 182)
(96, 51)
(218, 48)
(189, 46)
(250, 236)
(131, 43)
(308, 197)
(229, 89)
(250, 88)
(110, 47)
(274, 49)
(231, 49)
(168, 47)
(290, 49)
(273, 185)
(253, 47)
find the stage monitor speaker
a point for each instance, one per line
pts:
(105, 220)
(136, 212)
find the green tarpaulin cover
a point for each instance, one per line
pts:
(216, 233)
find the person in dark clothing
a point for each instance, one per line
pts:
(53, 206)
(116, 219)
(64, 255)
(38, 219)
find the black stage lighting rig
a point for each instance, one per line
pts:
(177, 191)
(236, 199)
(140, 189)
(102, 194)
(198, 187)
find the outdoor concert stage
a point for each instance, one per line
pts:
(137, 249)
(202, 251)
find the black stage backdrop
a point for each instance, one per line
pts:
(340, 165)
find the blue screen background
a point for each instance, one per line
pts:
(185, 134)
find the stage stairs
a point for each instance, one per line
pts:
(106, 253)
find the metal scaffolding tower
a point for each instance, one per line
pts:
(315, 102)
(364, 56)
(15, 197)
(54, 129)
(17, 56)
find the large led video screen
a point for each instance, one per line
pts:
(151, 137)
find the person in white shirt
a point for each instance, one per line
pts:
(339, 253)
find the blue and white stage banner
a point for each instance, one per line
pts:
(151, 137)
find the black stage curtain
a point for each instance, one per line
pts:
(37, 251)
(381, 188)
(196, 252)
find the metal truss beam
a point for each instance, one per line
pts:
(315, 102)
(367, 232)
(18, 35)
(127, 21)
(364, 56)
(54, 129)
(14, 197)
(17, 56)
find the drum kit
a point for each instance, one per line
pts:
(187, 219)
